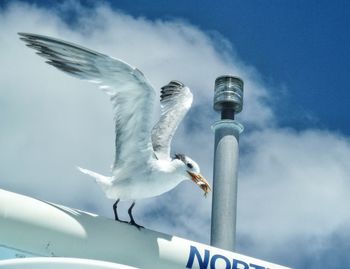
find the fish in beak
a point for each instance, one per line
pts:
(200, 181)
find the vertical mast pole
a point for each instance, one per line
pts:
(228, 99)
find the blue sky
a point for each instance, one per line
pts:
(301, 45)
(293, 56)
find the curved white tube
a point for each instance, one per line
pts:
(46, 229)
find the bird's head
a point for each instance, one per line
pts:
(192, 172)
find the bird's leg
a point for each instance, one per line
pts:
(132, 221)
(115, 211)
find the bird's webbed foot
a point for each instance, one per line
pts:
(132, 221)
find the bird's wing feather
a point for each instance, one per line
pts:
(132, 95)
(176, 100)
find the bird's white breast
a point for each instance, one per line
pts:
(152, 179)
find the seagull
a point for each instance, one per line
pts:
(142, 166)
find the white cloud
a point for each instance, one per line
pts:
(292, 184)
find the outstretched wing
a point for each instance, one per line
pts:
(132, 95)
(175, 101)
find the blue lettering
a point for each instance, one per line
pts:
(236, 265)
(203, 263)
(215, 257)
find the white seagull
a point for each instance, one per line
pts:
(142, 167)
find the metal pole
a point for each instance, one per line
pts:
(228, 99)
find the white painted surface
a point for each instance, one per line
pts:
(59, 263)
(46, 229)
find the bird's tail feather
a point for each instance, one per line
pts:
(99, 178)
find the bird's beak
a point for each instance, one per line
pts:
(200, 181)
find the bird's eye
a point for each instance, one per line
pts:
(189, 165)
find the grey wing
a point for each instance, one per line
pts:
(132, 96)
(176, 100)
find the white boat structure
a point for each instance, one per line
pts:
(63, 237)
(60, 263)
